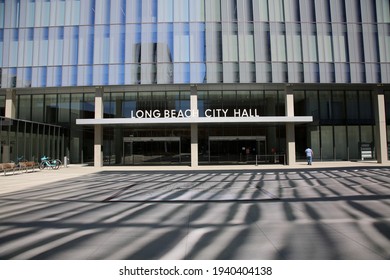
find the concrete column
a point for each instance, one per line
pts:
(10, 112)
(118, 138)
(290, 127)
(380, 126)
(5, 140)
(194, 145)
(194, 128)
(10, 104)
(98, 146)
(98, 139)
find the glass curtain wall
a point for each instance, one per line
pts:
(387, 101)
(27, 140)
(171, 144)
(151, 144)
(2, 105)
(52, 43)
(60, 109)
(232, 143)
(343, 123)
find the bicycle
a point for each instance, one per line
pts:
(47, 162)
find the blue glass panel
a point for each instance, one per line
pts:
(1, 48)
(128, 107)
(73, 75)
(105, 74)
(58, 75)
(89, 76)
(28, 77)
(2, 6)
(43, 76)
(74, 46)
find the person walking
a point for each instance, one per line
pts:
(309, 156)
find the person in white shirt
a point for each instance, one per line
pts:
(309, 156)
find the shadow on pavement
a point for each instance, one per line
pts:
(266, 214)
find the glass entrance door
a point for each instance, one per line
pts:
(151, 150)
(236, 149)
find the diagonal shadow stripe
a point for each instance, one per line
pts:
(118, 193)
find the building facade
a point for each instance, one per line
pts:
(196, 82)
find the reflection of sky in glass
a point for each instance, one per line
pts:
(126, 42)
(103, 42)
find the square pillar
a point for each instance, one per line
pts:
(290, 127)
(98, 146)
(380, 126)
(5, 140)
(10, 104)
(10, 112)
(98, 138)
(194, 127)
(194, 145)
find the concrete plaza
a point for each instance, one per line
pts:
(331, 211)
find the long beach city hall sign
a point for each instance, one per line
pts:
(208, 113)
(173, 116)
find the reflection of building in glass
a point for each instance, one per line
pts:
(63, 60)
(154, 63)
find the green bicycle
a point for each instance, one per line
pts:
(47, 162)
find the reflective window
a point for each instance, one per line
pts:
(197, 12)
(261, 10)
(293, 40)
(51, 108)
(165, 11)
(30, 13)
(352, 106)
(38, 105)
(129, 104)
(365, 106)
(325, 48)
(88, 106)
(383, 11)
(327, 146)
(2, 9)
(276, 10)
(180, 41)
(45, 14)
(181, 5)
(75, 12)
(338, 106)
(213, 10)
(24, 107)
(2, 105)
(63, 108)
(12, 37)
(60, 12)
(1, 49)
(278, 42)
(325, 105)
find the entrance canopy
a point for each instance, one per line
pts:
(196, 120)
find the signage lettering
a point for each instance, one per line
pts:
(208, 113)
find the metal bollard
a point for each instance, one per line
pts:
(65, 161)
